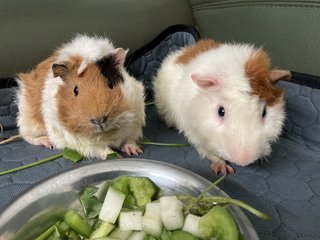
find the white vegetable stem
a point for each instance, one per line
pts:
(120, 235)
(191, 224)
(130, 220)
(151, 221)
(171, 212)
(140, 235)
(112, 205)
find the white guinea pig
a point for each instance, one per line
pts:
(82, 98)
(222, 97)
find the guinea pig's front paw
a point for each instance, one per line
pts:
(221, 167)
(41, 141)
(130, 148)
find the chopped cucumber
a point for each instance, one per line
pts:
(72, 155)
(143, 189)
(113, 155)
(162, 219)
(149, 237)
(171, 212)
(76, 222)
(138, 190)
(122, 184)
(100, 194)
(112, 205)
(130, 220)
(122, 235)
(218, 223)
(151, 221)
(46, 233)
(101, 229)
(91, 205)
(182, 235)
(55, 235)
(139, 235)
(106, 238)
(191, 224)
(165, 235)
(72, 236)
(63, 227)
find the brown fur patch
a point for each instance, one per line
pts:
(257, 69)
(195, 50)
(33, 83)
(94, 100)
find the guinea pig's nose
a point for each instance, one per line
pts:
(99, 121)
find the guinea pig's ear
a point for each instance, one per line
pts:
(120, 56)
(204, 81)
(277, 74)
(61, 70)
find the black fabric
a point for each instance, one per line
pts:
(158, 39)
(7, 82)
(305, 80)
(144, 63)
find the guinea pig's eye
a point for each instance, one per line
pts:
(76, 90)
(264, 112)
(221, 111)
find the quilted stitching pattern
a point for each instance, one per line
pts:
(8, 108)
(303, 114)
(145, 66)
(287, 186)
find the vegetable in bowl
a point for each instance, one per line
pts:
(134, 207)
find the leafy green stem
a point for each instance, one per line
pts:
(219, 199)
(212, 185)
(31, 164)
(143, 142)
(223, 200)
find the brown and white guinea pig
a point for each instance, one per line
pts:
(222, 97)
(82, 98)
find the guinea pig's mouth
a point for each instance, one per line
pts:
(101, 127)
(242, 158)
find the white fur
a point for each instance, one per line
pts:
(99, 145)
(242, 136)
(90, 48)
(23, 118)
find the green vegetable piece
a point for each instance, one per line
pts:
(113, 155)
(149, 237)
(218, 223)
(66, 232)
(101, 229)
(107, 238)
(91, 205)
(72, 155)
(182, 235)
(121, 184)
(138, 190)
(55, 235)
(119, 234)
(143, 189)
(63, 227)
(77, 223)
(240, 237)
(73, 236)
(165, 235)
(47, 233)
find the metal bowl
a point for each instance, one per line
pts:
(41, 205)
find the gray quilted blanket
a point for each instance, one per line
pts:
(287, 186)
